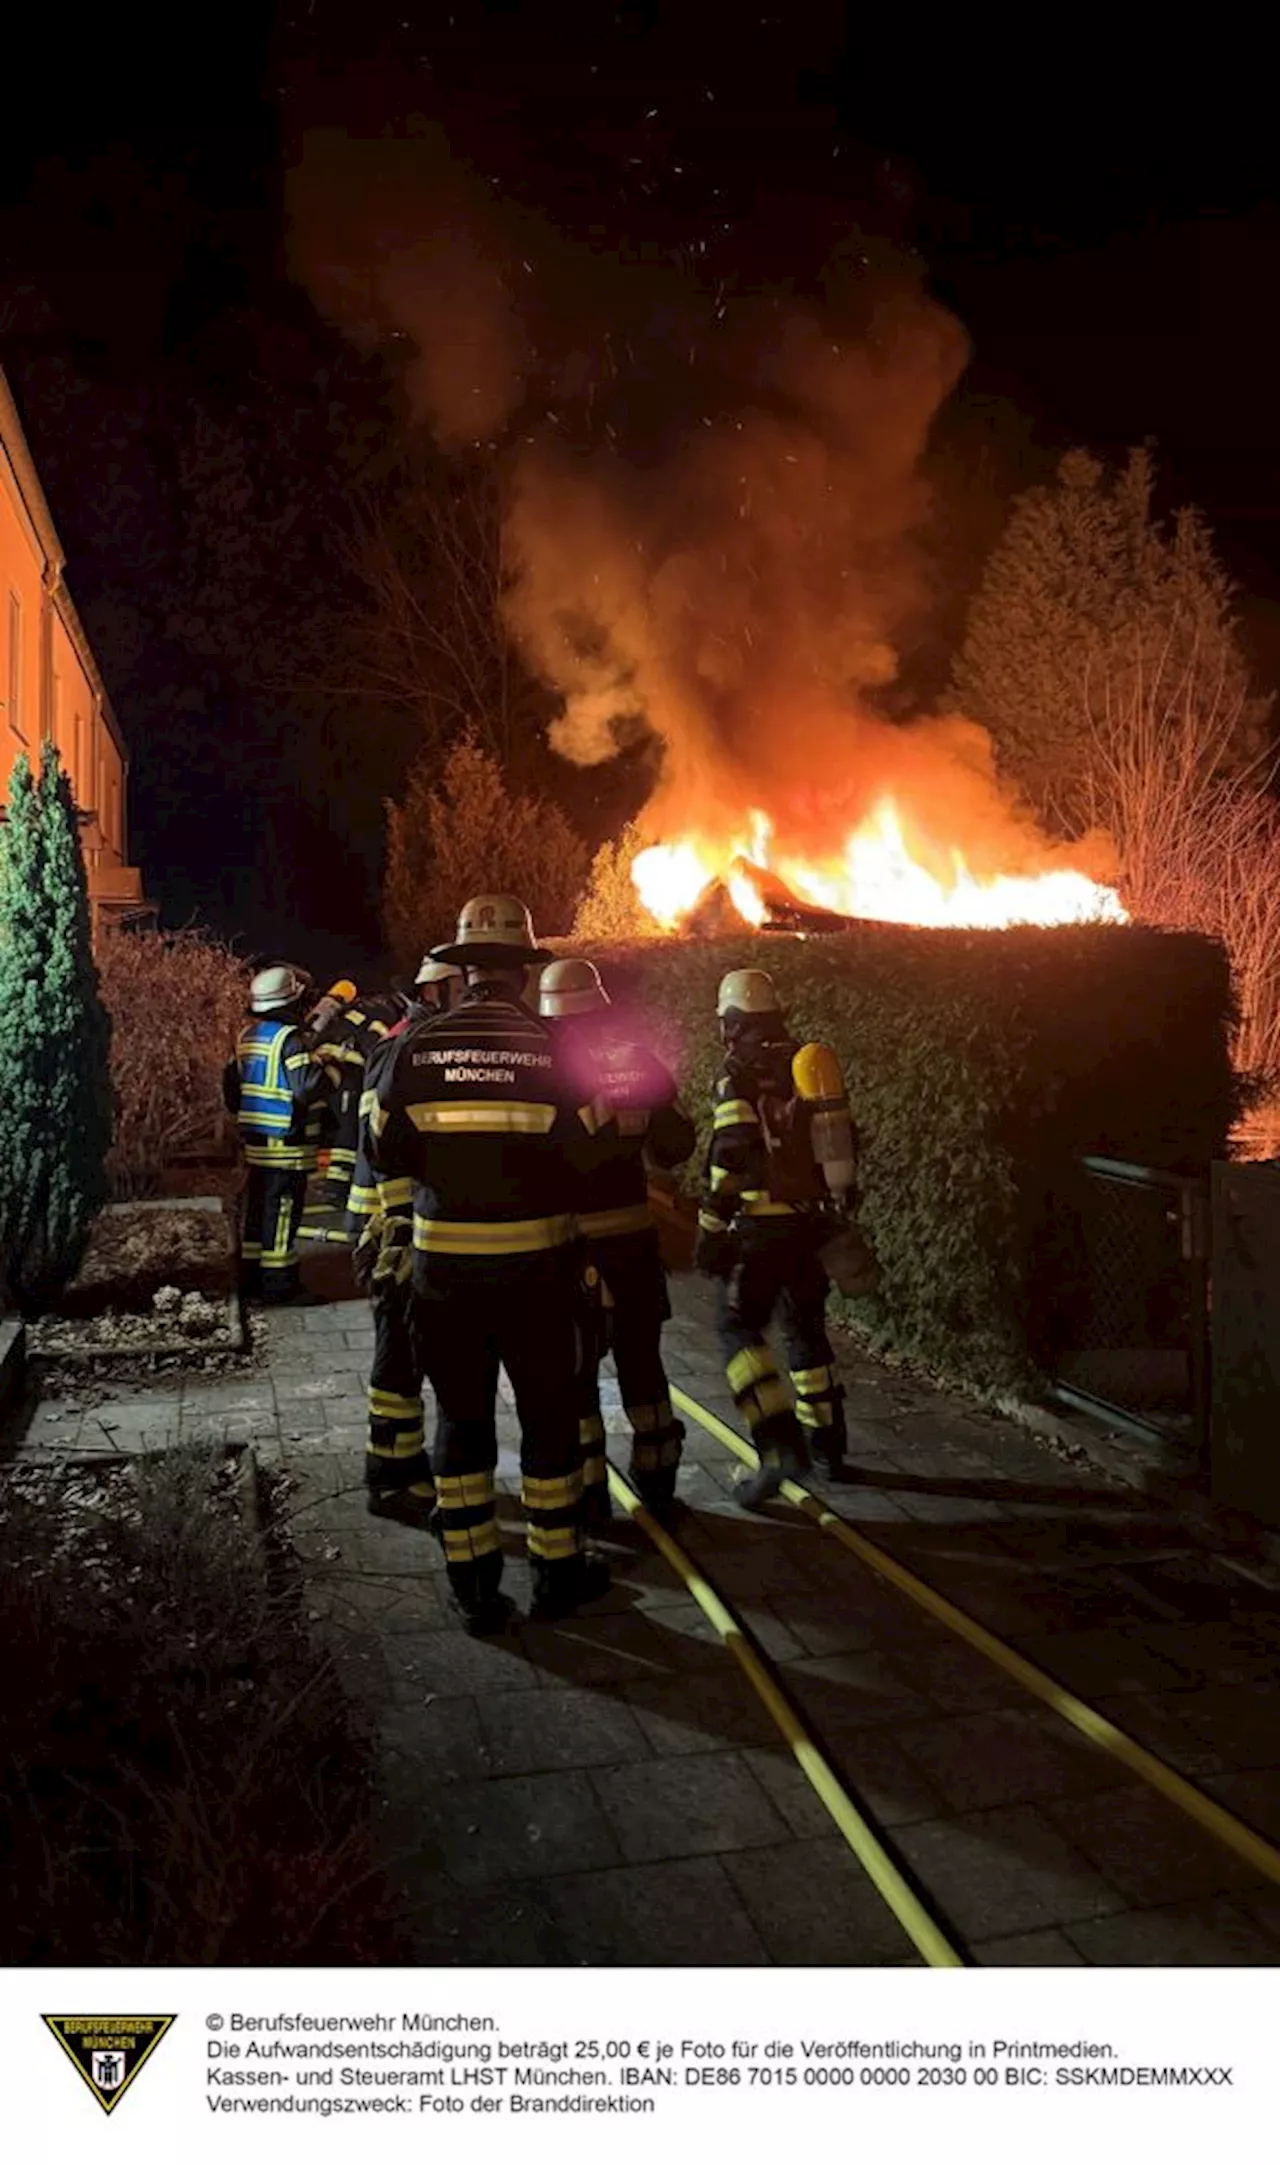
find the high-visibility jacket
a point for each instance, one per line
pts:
(739, 1165)
(475, 1112)
(633, 1109)
(282, 1091)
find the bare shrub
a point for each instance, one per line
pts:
(610, 908)
(187, 1785)
(176, 1001)
(1198, 846)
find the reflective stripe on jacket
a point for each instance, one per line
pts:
(282, 1093)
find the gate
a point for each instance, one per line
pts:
(1245, 1446)
(1132, 1341)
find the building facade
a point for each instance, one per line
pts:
(50, 685)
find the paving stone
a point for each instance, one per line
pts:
(1255, 1798)
(451, 1665)
(527, 1732)
(521, 1826)
(1030, 1951)
(1240, 1651)
(871, 1765)
(1262, 1905)
(607, 1649)
(1242, 1721)
(1154, 1720)
(482, 1928)
(957, 1676)
(1208, 1934)
(995, 1874)
(1147, 1848)
(673, 1915)
(436, 1740)
(1093, 1663)
(848, 1692)
(827, 1626)
(699, 1713)
(1010, 1755)
(813, 1906)
(687, 1807)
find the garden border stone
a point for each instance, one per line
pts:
(13, 1359)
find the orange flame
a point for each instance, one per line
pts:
(875, 875)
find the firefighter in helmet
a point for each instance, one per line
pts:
(279, 1091)
(344, 1029)
(638, 1117)
(761, 1226)
(398, 1477)
(477, 1141)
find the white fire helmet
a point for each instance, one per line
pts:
(435, 973)
(571, 988)
(747, 992)
(496, 929)
(281, 986)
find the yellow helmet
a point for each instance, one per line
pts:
(435, 973)
(493, 928)
(571, 988)
(344, 991)
(747, 992)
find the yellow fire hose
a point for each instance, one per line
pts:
(921, 1929)
(1212, 1817)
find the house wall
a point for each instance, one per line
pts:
(49, 682)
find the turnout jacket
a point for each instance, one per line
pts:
(278, 1091)
(475, 1116)
(742, 1171)
(633, 1111)
(367, 1197)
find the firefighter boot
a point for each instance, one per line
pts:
(413, 1506)
(487, 1616)
(655, 1467)
(569, 1584)
(783, 1457)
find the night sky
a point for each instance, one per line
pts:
(1104, 222)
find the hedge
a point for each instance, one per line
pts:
(981, 1067)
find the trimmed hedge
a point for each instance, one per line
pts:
(981, 1067)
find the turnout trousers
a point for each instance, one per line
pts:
(778, 1275)
(396, 1457)
(273, 1200)
(342, 1149)
(632, 1306)
(472, 1318)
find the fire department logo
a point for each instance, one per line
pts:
(486, 919)
(108, 2050)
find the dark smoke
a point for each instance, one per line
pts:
(713, 500)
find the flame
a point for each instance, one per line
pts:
(877, 874)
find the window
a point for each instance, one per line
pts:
(13, 687)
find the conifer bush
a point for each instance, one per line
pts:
(55, 1041)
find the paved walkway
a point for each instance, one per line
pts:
(608, 1790)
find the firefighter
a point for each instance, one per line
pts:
(760, 1228)
(638, 1116)
(474, 1116)
(278, 1090)
(345, 1028)
(398, 1478)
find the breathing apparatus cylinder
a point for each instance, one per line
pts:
(819, 1083)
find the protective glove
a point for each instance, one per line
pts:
(366, 1252)
(714, 1254)
(394, 1266)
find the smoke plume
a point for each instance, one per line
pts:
(713, 499)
